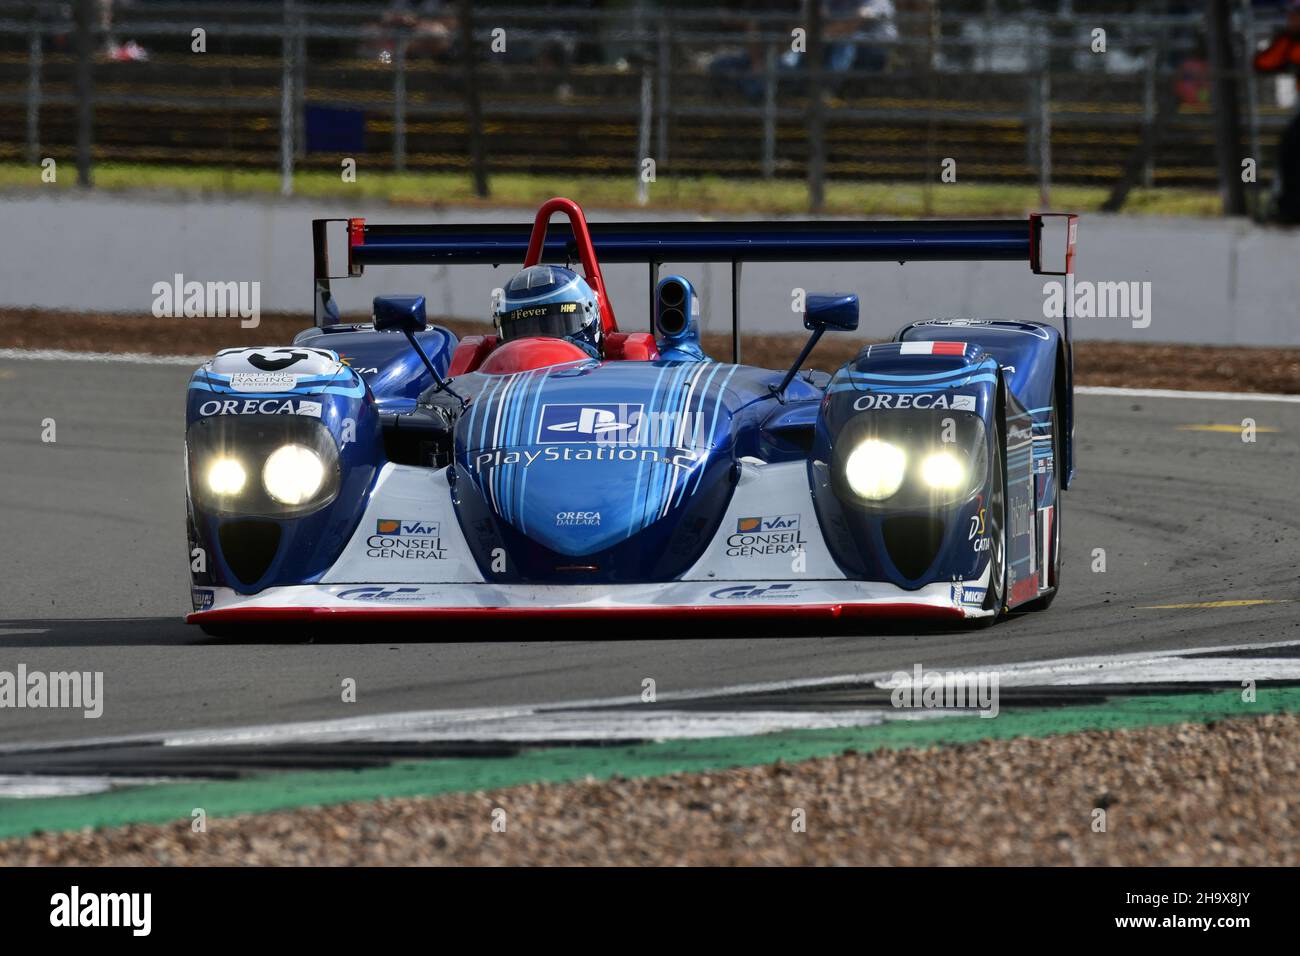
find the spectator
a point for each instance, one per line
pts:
(858, 34)
(1283, 55)
(431, 27)
(742, 64)
(128, 52)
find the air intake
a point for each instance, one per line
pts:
(249, 548)
(913, 543)
(672, 308)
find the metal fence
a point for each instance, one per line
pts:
(1014, 91)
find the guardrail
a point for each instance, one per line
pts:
(600, 91)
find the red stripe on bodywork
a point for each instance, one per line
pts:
(1026, 589)
(949, 348)
(829, 611)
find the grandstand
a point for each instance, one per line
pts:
(711, 90)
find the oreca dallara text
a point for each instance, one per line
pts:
(387, 469)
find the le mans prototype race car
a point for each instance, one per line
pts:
(388, 470)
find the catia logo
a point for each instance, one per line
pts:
(613, 424)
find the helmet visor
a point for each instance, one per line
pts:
(556, 320)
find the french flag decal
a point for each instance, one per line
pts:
(933, 348)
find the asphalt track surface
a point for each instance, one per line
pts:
(93, 575)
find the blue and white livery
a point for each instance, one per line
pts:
(389, 469)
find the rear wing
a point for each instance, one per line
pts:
(655, 243)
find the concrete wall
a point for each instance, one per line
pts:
(1212, 281)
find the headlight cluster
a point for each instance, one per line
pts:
(291, 476)
(247, 466)
(899, 458)
(875, 470)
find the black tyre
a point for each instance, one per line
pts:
(223, 632)
(995, 599)
(1043, 602)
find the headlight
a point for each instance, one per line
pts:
(908, 459)
(943, 471)
(294, 456)
(875, 469)
(226, 477)
(293, 474)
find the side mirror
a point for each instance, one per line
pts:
(405, 314)
(838, 312)
(400, 313)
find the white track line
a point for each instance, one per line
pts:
(24, 786)
(134, 358)
(1177, 393)
(538, 721)
(601, 725)
(592, 720)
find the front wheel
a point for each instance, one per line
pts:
(995, 599)
(1044, 601)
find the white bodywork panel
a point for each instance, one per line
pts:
(409, 552)
(769, 526)
(427, 546)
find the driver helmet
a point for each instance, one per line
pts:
(550, 301)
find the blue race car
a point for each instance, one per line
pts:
(388, 470)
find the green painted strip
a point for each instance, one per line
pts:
(279, 791)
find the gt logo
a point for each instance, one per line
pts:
(615, 424)
(754, 592)
(923, 400)
(380, 594)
